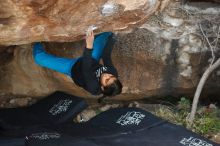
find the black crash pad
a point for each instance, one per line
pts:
(17, 137)
(119, 127)
(12, 141)
(56, 108)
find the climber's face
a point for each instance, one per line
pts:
(107, 79)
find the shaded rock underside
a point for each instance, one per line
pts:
(166, 56)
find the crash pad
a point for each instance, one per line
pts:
(58, 107)
(120, 126)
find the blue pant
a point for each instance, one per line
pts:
(64, 65)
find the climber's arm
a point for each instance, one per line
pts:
(91, 83)
(87, 54)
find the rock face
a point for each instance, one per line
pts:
(166, 56)
(145, 68)
(27, 21)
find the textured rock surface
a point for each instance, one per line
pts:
(145, 68)
(166, 56)
(27, 21)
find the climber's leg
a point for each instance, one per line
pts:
(59, 64)
(99, 45)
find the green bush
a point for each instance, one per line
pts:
(206, 121)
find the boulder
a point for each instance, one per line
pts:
(147, 65)
(26, 21)
(165, 56)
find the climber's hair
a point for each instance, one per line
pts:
(113, 89)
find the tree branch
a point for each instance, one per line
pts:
(213, 55)
(200, 87)
(205, 76)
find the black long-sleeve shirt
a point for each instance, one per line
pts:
(87, 71)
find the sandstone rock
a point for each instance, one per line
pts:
(19, 102)
(94, 110)
(86, 115)
(138, 56)
(27, 21)
(149, 62)
(216, 138)
(108, 106)
(134, 104)
(177, 21)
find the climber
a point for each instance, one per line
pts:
(86, 71)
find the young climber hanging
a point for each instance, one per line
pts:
(86, 71)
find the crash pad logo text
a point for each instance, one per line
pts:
(45, 136)
(131, 118)
(194, 142)
(61, 106)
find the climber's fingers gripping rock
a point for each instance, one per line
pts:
(89, 39)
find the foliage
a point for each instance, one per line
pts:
(206, 123)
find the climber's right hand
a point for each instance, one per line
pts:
(89, 39)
